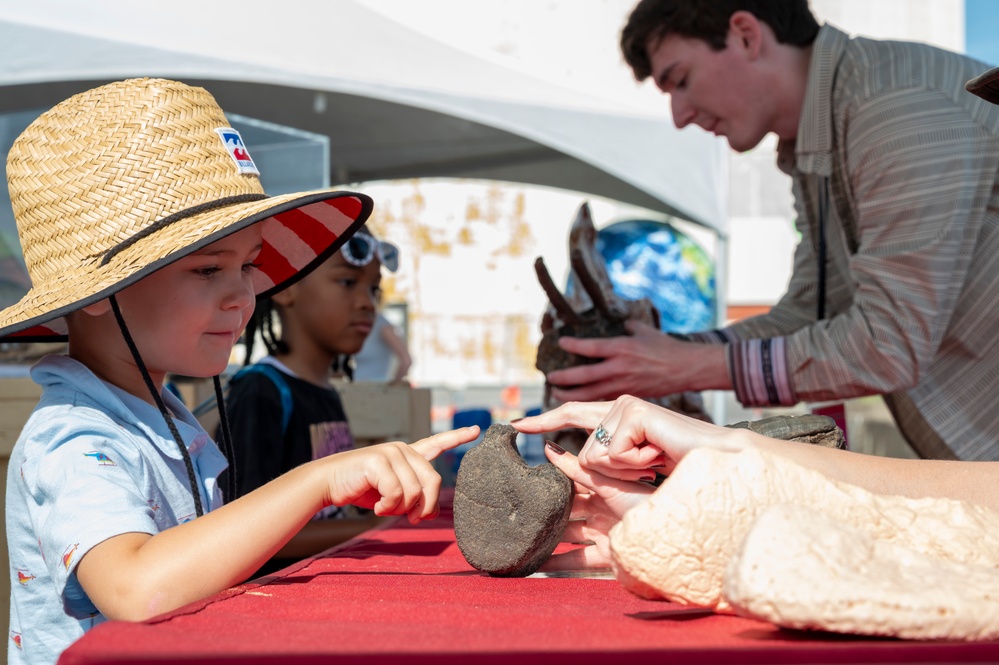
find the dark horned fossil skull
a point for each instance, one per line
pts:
(592, 309)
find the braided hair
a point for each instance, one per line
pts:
(343, 364)
(263, 320)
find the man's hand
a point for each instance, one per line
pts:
(646, 363)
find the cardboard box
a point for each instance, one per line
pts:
(381, 412)
(18, 396)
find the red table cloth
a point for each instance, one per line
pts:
(404, 594)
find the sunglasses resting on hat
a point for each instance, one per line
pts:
(362, 247)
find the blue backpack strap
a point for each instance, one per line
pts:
(277, 378)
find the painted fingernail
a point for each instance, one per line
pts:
(559, 450)
(515, 420)
(649, 478)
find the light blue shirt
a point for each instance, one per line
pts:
(91, 463)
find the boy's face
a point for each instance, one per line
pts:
(332, 309)
(715, 90)
(186, 317)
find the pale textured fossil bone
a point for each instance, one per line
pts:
(800, 569)
(676, 544)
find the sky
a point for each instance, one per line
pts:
(982, 29)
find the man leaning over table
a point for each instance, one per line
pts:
(893, 166)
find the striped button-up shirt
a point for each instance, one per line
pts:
(907, 161)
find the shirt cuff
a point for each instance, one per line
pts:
(759, 372)
(706, 337)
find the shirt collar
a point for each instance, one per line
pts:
(122, 406)
(812, 148)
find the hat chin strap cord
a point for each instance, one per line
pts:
(198, 508)
(227, 448)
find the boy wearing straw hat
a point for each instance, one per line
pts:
(147, 236)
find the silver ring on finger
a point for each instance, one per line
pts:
(602, 436)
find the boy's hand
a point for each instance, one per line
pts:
(394, 478)
(432, 446)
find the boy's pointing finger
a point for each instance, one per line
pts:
(432, 446)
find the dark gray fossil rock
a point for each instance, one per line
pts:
(806, 428)
(508, 516)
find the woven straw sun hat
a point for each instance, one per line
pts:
(116, 182)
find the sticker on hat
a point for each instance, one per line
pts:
(233, 142)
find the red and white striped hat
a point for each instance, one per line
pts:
(119, 181)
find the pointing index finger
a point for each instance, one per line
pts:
(572, 414)
(434, 445)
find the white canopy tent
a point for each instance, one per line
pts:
(394, 103)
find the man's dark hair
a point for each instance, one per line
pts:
(652, 20)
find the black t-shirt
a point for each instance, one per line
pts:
(317, 427)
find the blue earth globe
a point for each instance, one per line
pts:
(654, 260)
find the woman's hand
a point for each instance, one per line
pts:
(599, 503)
(635, 435)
